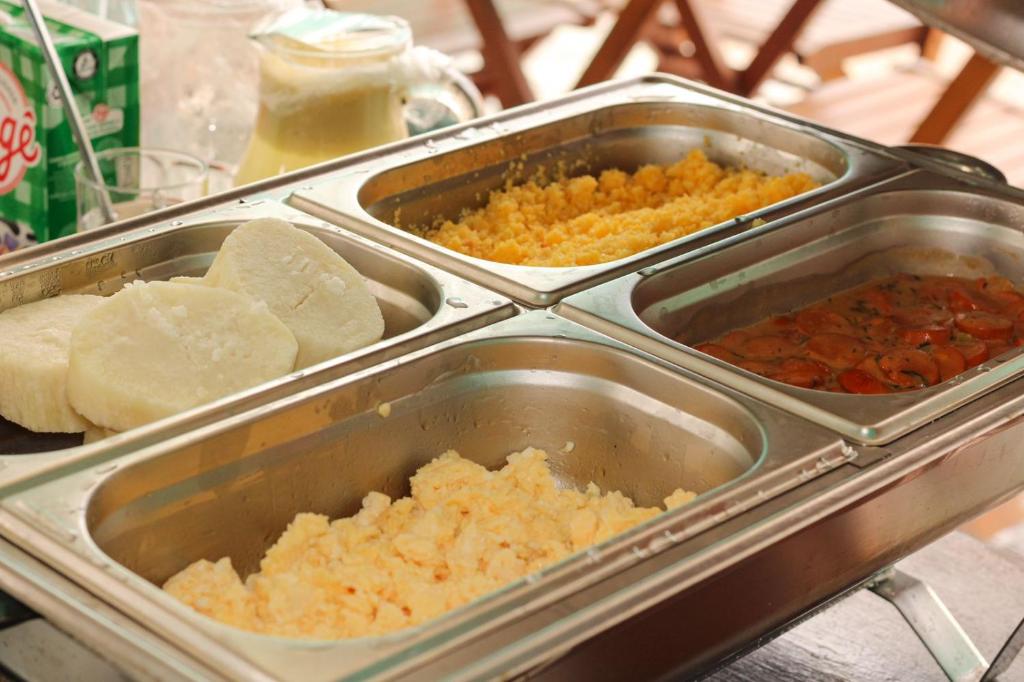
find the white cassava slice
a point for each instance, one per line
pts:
(321, 298)
(155, 349)
(34, 341)
(187, 279)
(97, 433)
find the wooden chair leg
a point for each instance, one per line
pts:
(712, 66)
(778, 43)
(617, 45)
(500, 54)
(931, 42)
(956, 100)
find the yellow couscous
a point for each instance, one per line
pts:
(464, 531)
(586, 220)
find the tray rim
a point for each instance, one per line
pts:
(824, 453)
(482, 307)
(607, 308)
(335, 197)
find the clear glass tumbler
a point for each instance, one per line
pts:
(138, 181)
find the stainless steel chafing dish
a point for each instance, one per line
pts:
(420, 304)
(921, 223)
(801, 497)
(643, 122)
(634, 426)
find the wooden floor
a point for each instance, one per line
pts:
(834, 24)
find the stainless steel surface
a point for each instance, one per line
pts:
(964, 163)
(802, 548)
(652, 121)
(938, 630)
(230, 488)
(1007, 655)
(992, 27)
(421, 305)
(675, 606)
(67, 98)
(805, 515)
(921, 223)
(136, 651)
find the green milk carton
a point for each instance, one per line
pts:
(37, 151)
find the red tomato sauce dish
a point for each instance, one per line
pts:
(892, 334)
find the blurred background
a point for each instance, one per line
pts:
(865, 67)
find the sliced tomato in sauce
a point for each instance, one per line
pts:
(923, 317)
(768, 347)
(758, 367)
(984, 325)
(716, 351)
(879, 300)
(997, 348)
(909, 367)
(919, 336)
(814, 321)
(733, 340)
(974, 352)
(859, 381)
(963, 301)
(949, 360)
(996, 284)
(897, 333)
(837, 350)
(802, 372)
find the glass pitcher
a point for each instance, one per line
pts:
(199, 77)
(333, 83)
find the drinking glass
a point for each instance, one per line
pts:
(138, 181)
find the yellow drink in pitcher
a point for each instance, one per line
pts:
(308, 114)
(331, 83)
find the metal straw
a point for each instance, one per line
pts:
(71, 108)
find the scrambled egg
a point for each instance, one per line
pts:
(465, 531)
(587, 220)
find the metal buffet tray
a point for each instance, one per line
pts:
(652, 120)
(923, 223)
(992, 27)
(122, 528)
(790, 513)
(420, 304)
